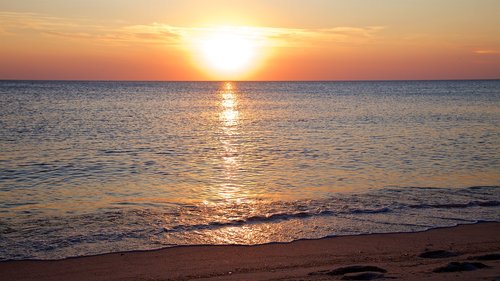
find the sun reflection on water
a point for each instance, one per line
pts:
(229, 117)
(230, 114)
(233, 191)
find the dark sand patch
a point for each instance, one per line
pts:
(355, 269)
(487, 257)
(438, 254)
(460, 266)
(363, 276)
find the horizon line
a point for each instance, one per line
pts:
(346, 80)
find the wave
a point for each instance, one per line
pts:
(266, 219)
(277, 217)
(457, 205)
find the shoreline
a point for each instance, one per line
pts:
(247, 245)
(303, 259)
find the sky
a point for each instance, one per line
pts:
(249, 40)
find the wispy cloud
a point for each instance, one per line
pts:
(14, 23)
(292, 36)
(487, 51)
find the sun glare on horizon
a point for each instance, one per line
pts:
(229, 51)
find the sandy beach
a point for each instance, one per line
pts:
(467, 252)
(249, 140)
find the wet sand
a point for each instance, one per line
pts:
(468, 252)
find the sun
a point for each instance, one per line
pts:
(229, 50)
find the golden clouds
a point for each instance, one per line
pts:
(14, 23)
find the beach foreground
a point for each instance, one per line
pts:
(425, 255)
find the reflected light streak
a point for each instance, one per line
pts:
(229, 114)
(229, 117)
(228, 103)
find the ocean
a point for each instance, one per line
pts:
(96, 167)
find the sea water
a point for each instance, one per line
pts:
(96, 167)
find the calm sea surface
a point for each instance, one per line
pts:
(94, 167)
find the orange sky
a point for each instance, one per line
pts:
(287, 39)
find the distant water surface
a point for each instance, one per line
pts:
(94, 167)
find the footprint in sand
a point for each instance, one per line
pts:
(460, 266)
(363, 276)
(438, 254)
(487, 257)
(355, 272)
